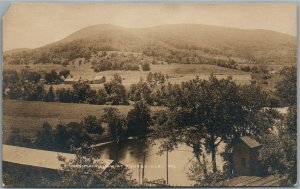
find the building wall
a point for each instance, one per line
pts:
(256, 168)
(68, 82)
(29, 176)
(99, 81)
(240, 150)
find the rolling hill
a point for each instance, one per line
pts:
(177, 43)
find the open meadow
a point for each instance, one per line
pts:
(177, 73)
(29, 116)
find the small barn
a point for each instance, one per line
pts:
(71, 81)
(245, 157)
(86, 81)
(98, 79)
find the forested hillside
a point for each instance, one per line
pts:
(180, 43)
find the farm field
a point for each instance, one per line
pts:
(177, 73)
(28, 116)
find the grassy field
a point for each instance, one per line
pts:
(177, 73)
(29, 116)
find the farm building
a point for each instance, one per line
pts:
(98, 79)
(86, 81)
(71, 80)
(62, 78)
(246, 167)
(32, 165)
(245, 157)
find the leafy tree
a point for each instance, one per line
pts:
(65, 95)
(286, 88)
(61, 138)
(16, 91)
(279, 152)
(138, 119)
(252, 119)
(80, 92)
(204, 113)
(146, 67)
(14, 137)
(140, 91)
(91, 97)
(96, 97)
(51, 77)
(44, 138)
(116, 91)
(199, 173)
(156, 78)
(86, 170)
(246, 68)
(91, 125)
(77, 137)
(30, 76)
(27, 91)
(50, 96)
(101, 96)
(116, 123)
(64, 73)
(117, 79)
(216, 108)
(10, 76)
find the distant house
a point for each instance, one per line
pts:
(62, 77)
(98, 79)
(71, 81)
(32, 165)
(86, 81)
(245, 157)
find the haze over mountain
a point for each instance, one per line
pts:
(170, 43)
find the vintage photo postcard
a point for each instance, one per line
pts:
(149, 95)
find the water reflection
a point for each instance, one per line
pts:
(133, 149)
(131, 153)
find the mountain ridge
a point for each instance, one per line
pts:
(185, 39)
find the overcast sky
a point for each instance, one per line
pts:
(35, 25)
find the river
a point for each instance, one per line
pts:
(131, 153)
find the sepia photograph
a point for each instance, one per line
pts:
(149, 95)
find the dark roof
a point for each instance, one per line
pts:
(253, 181)
(250, 142)
(39, 158)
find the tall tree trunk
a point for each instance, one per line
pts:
(213, 158)
(204, 164)
(196, 151)
(213, 153)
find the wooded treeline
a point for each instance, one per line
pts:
(200, 113)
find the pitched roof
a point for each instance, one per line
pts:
(69, 79)
(72, 79)
(98, 77)
(38, 158)
(250, 142)
(253, 181)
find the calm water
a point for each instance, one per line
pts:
(131, 153)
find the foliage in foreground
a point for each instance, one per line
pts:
(279, 152)
(87, 170)
(203, 176)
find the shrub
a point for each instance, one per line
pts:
(146, 67)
